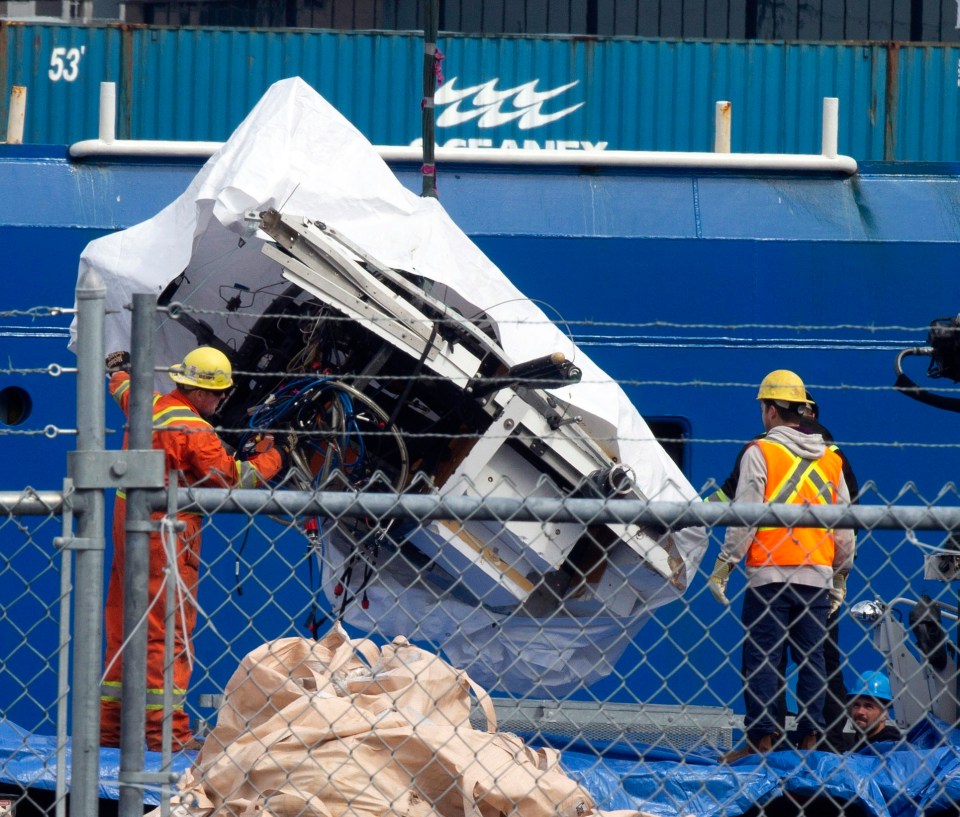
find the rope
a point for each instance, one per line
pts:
(168, 537)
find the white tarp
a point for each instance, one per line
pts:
(296, 153)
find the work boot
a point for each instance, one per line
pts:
(737, 754)
(763, 745)
(809, 742)
(834, 742)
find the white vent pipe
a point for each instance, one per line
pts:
(721, 128)
(721, 158)
(831, 109)
(16, 115)
(108, 112)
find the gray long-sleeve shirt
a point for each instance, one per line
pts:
(750, 488)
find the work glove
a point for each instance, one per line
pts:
(263, 444)
(718, 580)
(259, 444)
(837, 593)
(286, 445)
(117, 362)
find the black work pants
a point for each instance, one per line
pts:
(775, 616)
(835, 702)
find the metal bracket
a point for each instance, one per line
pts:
(79, 543)
(147, 778)
(68, 541)
(148, 526)
(116, 469)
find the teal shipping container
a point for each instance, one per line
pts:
(897, 103)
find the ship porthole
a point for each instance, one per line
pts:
(15, 405)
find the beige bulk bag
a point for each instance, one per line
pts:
(340, 728)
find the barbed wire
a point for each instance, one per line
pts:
(492, 435)
(507, 380)
(52, 369)
(30, 332)
(727, 343)
(48, 431)
(38, 312)
(177, 307)
(55, 370)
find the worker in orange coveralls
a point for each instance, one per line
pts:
(193, 448)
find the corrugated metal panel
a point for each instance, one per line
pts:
(927, 121)
(624, 94)
(62, 67)
(516, 91)
(657, 95)
(199, 84)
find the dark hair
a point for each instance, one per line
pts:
(788, 413)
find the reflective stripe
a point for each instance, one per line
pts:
(178, 415)
(176, 692)
(177, 707)
(791, 487)
(111, 692)
(124, 387)
(155, 698)
(803, 482)
(788, 485)
(820, 483)
(247, 475)
(119, 391)
(167, 416)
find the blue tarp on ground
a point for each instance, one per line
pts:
(30, 761)
(921, 776)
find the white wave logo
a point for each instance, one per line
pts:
(525, 100)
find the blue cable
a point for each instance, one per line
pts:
(285, 401)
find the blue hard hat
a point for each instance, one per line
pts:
(872, 685)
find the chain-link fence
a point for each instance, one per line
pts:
(403, 513)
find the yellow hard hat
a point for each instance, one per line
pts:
(783, 386)
(204, 368)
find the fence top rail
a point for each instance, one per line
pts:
(663, 514)
(671, 515)
(31, 503)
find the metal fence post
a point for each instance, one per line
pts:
(431, 14)
(136, 565)
(88, 590)
(63, 655)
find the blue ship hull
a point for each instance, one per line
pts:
(686, 286)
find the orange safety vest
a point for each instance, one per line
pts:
(796, 481)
